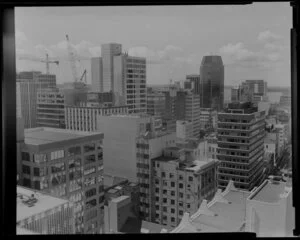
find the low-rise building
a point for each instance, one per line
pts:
(84, 118)
(267, 211)
(40, 213)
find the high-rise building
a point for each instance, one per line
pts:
(150, 146)
(44, 214)
(28, 84)
(108, 51)
(180, 185)
(129, 82)
(212, 82)
(241, 132)
(193, 82)
(67, 164)
(119, 146)
(100, 99)
(50, 108)
(257, 87)
(97, 74)
(84, 118)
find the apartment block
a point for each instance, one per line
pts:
(67, 164)
(84, 118)
(211, 148)
(148, 147)
(103, 99)
(193, 82)
(181, 185)
(156, 104)
(39, 213)
(241, 132)
(50, 108)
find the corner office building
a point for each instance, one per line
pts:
(241, 132)
(67, 164)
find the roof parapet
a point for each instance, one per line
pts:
(203, 209)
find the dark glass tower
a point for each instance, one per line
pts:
(212, 82)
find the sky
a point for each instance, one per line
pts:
(253, 40)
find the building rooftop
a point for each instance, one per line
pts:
(224, 213)
(42, 203)
(23, 231)
(270, 192)
(149, 227)
(44, 135)
(165, 158)
(198, 165)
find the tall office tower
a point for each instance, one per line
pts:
(67, 164)
(212, 82)
(119, 146)
(180, 184)
(241, 132)
(28, 84)
(129, 82)
(41, 213)
(187, 107)
(108, 51)
(193, 82)
(84, 118)
(50, 108)
(97, 74)
(156, 104)
(148, 147)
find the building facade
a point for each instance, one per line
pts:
(156, 104)
(43, 214)
(208, 119)
(193, 82)
(241, 132)
(50, 108)
(108, 51)
(212, 82)
(85, 118)
(97, 74)
(67, 164)
(184, 130)
(130, 82)
(181, 185)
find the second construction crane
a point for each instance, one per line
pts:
(79, 82)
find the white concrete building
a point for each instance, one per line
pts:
(184, 130)
(119, 146)
(85, 118)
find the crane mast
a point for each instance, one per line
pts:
(72, 60)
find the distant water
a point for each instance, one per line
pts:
(273, 96)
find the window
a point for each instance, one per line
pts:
(172, 202)
(180, 204)
(172, 193)
(89, 147)
(57, 167)
(180, 177)
(163, 174)
(88, 171)
(90, 204)
(74, 151)
(181, 195)
(172, 219)
(39, 158)
(172, 184)
(172, 210)
(157, 199)
(190, 179)
(25, 156)
(180, 185)
(37, 185)
(26, 169)
(164, 200)
(157, 190)
(36, 172)
(165, 209)
(89, 159)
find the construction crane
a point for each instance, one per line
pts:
(73, 58)
(47, 61)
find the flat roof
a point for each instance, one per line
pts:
(44, 203)
(43, 135)
(199, 164)
(270, 192)
(165, 158)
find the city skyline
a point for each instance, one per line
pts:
(259, 50)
